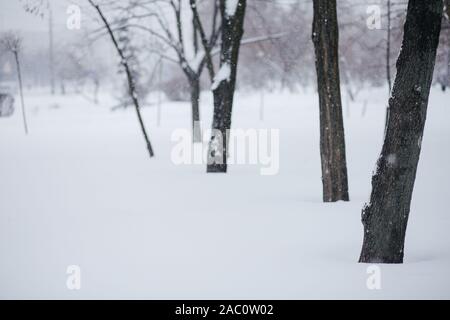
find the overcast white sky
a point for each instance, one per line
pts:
(14, 16)
(34, 28)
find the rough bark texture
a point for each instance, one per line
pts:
(332, 141)
(385, 217)
(232, 31)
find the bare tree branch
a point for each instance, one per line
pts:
(131, 84)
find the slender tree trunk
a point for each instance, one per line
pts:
(96, 89)
(63, 87)
(51, 50)
(130, 79)
(195, 103)
(19, 76)
(332, 141)
(385, 217)
(224, 84)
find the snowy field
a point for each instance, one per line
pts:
(81, 190)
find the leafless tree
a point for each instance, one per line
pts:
(332, 140)
(131, 82)
(165, 21)
(12, 42)
(385, 217)
(43, 9)
(223, 83)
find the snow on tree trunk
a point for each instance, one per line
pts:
(232, 12)
(385, 217)
(332, 141)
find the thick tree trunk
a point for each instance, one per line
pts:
(195, 99)
(332, 141)
(385, 217)
(224, 84)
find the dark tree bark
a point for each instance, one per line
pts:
(386, 216)
(223, 88)
(332, 141)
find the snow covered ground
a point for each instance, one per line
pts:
(81, 190)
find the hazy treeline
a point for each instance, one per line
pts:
(277, 50)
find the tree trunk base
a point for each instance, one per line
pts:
(385, 217)
(375, 260)
(332, 137)
(344, 197)
(216, 168)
